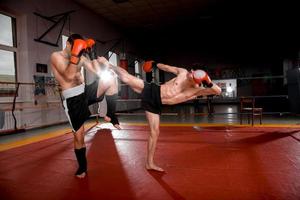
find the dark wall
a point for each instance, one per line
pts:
(232, 33)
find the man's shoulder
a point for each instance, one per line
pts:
(55, 58)
(182, 70)
(55, 54)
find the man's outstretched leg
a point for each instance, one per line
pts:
(136, 84)
(111, 110)
(153, 121)
(111, 96)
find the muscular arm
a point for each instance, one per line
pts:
(92, 66)
(214, 90)
(169, 68)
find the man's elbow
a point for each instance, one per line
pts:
(217, 89)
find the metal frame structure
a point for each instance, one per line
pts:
(62, 17)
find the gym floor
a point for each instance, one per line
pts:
(204, 158)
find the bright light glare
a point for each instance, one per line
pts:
(229, 89)
(229, 110)
(105, 75)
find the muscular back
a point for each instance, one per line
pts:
(67, 75)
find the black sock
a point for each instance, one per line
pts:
(81, 159)
(111, 108)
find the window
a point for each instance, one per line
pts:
(7, 54)
(228, 87)
(112, 57)
(137, 69)
(7, 66)
(7, 30)
(64, 40)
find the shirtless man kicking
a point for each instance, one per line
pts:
(185, 86)
(66, 66)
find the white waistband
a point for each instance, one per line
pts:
(74, 91)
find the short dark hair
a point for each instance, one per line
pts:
(73, 37)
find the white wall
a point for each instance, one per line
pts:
(30, 52)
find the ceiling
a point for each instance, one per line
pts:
(150, 14)
(157, 14)
(162, 17)
(218, 26)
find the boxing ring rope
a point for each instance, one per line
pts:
(204, 103)
(33, 105)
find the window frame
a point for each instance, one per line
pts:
(13, 49)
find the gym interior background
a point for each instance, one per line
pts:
(249, 48)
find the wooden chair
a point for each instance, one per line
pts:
(247, 107)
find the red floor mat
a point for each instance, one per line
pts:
(201, 163)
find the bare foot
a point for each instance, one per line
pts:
(81, 172)
(154, 167)
(82, 175)
(117, 126)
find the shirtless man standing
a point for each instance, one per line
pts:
(66, 66)
(185, 86)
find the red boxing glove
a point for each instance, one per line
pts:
(149, 65)
(90, 43)
(77, 49)
(91, 48)
(201, 76)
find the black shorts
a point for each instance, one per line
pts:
(151, 100)
(76, 103)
